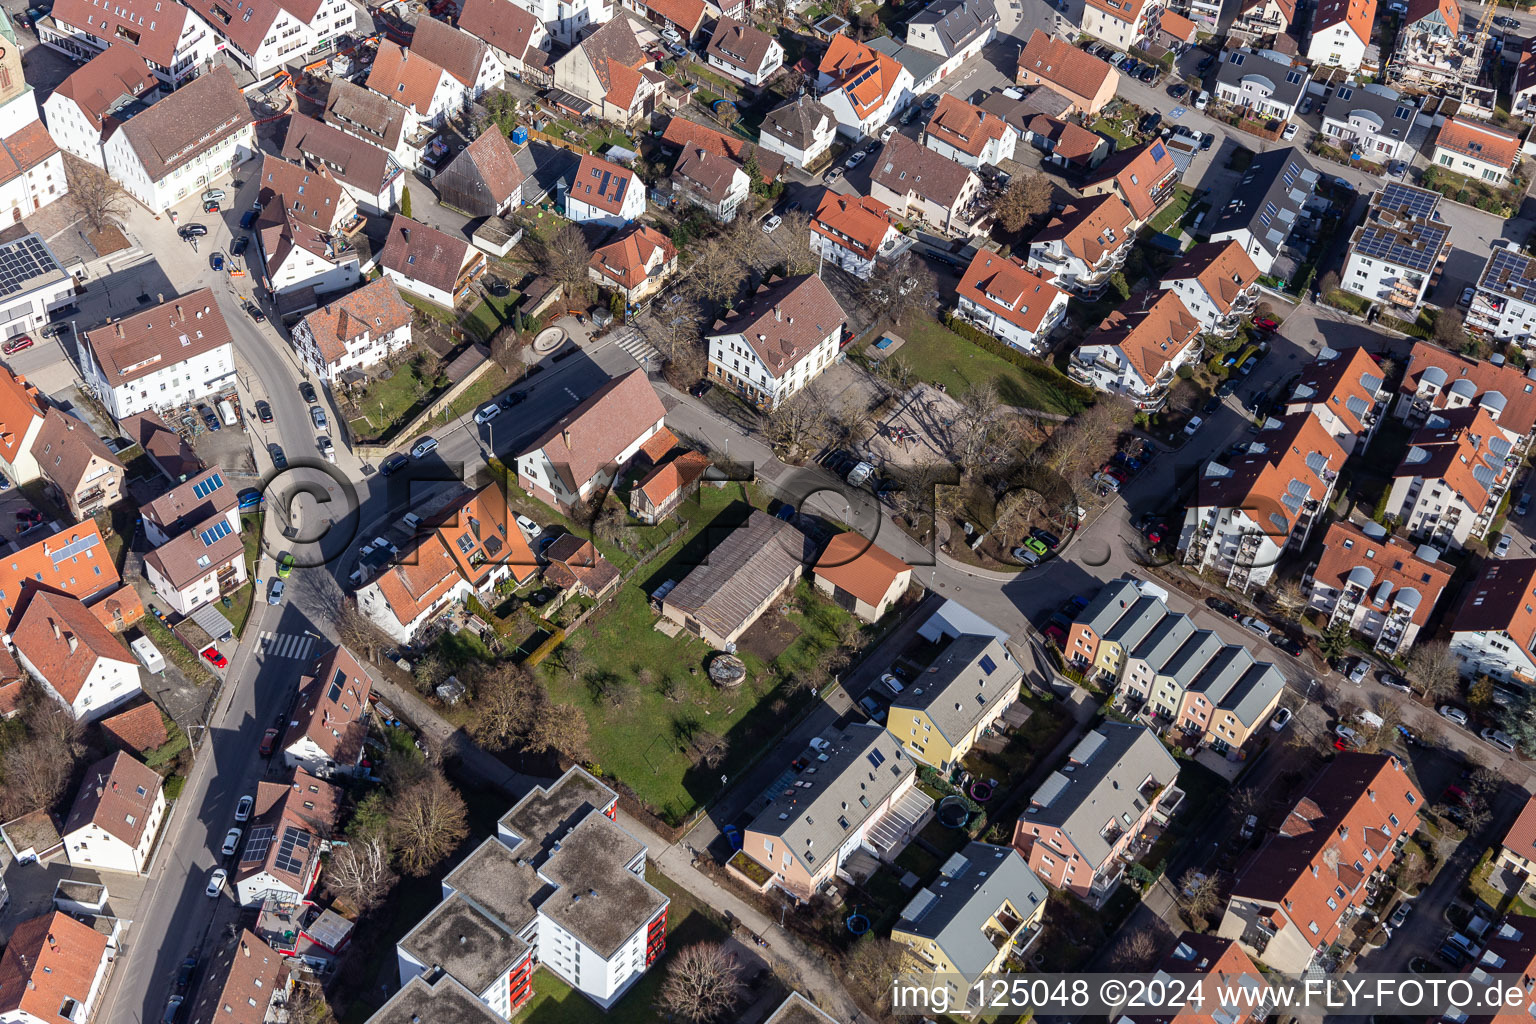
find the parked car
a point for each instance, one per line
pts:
(1502, 547)
(1193, 426)
(247, 219)
(1202, 101)
(212, 656)
(855, 160)
(231, 842)
(1454, 715)
(279, 460)
(1046, 537)
(209, 417)
(216, 261)
(1037, 546)
(263, 411)
(1523, 505)
(275, 592)
(216, 882)
(890, 682)
(487, 413)
(1256, 625)
(772, 223)
(268, 743)
(1505, 21)
(243, 808)
(1025, 556)
(1281, 720)
(393, 463)
(1178, 90)
(1394, 682)
(20, 343)
(1500, 739)
(529, 527)
(1290, 131)
(307, 392)
(1264, 323)
(1399, 915)
(241, 244)
(1288, 645)
(1358, 670)
(421, 449)
(317, 414)
(191, 231)
(285, 565)
(184, 973)
(872, 708)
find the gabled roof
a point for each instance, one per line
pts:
(244, 27)
(242, 977)
(958, 23)
(964, 127)
(1346, 383)
(1070, 141)
(574, 560)
(1525, 71)
(365, 113)
(858, 223)
(493, 163)
(1508, 394)
(1280, 82)
(67, 450)
(1113, 768)
(1335, 837)
(593, 434)
(404, 76)
(106, 85)
(906, 167)
(861, 567)
(672, 475)
(332, 707)
(685, 14)
(1090, 227)
(795, 122)
(962, 685)
(140, 729)
(1061, 64)
(50, 959)
(1227, 973)
(1449, 12)
(682, 133)
(1177, 25)
(206, 547)
(602, 184)
(743, 570)
(864, 75)
(1521, 837)
(166, 448)
(72, 561)
(785, 320)
(456, 52)
(1268, 201)
(116, 795)
(20, 406)
(1223, 269)
(1358, 15)
(973, 887)
(422, 574)
(290, 193)
(479, 533)
(706, 174)
(739, 45)
(1129, 12)
(1137, 172)
(1287, 7)
(187, 122)
(627, 261)
(157, 338)
(62, 641)
(288, 823)
(1288, 463)
(354, 161)
(1501, 600)
(1007, 287)
(1464, 448)
(1149, 332)
(375, 309)
(152, 31)
(424, 254)
(1392, 572)
(1479, 140)
(501, 23)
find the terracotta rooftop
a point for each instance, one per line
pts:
(63, 641)
(140, 729)
(455, 51)
(1502, 599)
(20, 406)
(421, 253)
(1059, 63)
(1007, 287)
(1223, 269)
(1357, 14)
(858, 565)
(166, 335)
(1090, 227)
(73, 561)
(681, 132)
(332, 707)
(785, 320)
(1344, 382)
(632, 258)
(1479, 140)
(100, 86)
(405, 77)
(963, 126)
(184, 124)
(501, 23)
(116, 795)
(49, 960)
(375, 309)
(857, 223)
(1389, 571)
(1505, 391)
(865, 75)
(1137, 173)
(1287, 463)
(593, 434)
(1149, 331)
(602, 184)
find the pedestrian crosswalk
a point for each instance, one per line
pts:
(286, 645)
(633, 342)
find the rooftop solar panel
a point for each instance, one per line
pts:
(291, 852)
(74, 548)
(256, 846)
(203, 488)
(22, 261)
(1509, 273)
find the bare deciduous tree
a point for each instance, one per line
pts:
(702, 983)
(565, 257)
(799, 426)
(1199, 894)
(561, 728)
(1081, 444)
(356, 632)
(716, 273)
(1027, 196)
(1288, 598)
(1136, 951)
(872, 965)
(794, 238)
(360, 873)
(94, 195)
(1433, 670)
(36, 772)
(306, 1002)
(427, 822)
(708, 748)
(506, 697)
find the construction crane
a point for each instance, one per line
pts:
(1480, 34)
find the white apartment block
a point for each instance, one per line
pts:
(355, 332)
(174, 41)
(566, 21)
(172, 355)
(780, 341)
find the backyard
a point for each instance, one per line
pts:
(650, 706)
(937, 354)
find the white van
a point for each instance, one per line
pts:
(227, 413)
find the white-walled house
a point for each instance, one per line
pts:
(1218, 283)
(423, 87)
(1084, 244)
(1477, 149)
(355, 332)
(57, 969)
(968, 135)
(1399, 249)
(744, 52)
(413, 591)
(605, 193)
(565, 20)
(299, 232)
(1374, 119)
(191, 139)
(136, 367)
(517, 39)
(199, 566)
(800, 131)
(171, 39)
(89, 105)
(116, 816)
(464, 56)
(587, 447)
(863, 87)
(783, 338)
(78, 662)
(1138, 349)
(1493, 630)
(329, 722)
(1341, 32)
(264, 35)
(430, 263)
(1018, 306)
(854, 232)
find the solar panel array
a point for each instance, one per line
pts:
(215, 532)
(256, 846)
(22, 261)
(1415, 202)
(1509, 272)
(294, 846)
(74, 548)
(203, 488)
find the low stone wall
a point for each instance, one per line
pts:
(420, 421)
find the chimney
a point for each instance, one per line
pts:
(245, 949)
(180, 318)
(55, 624)
(405, 233)
(118, 327)
(777, 313)
(74, 645)
(160, 298)
(565, 436)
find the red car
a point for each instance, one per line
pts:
(20, 344)
(1057, 634)
(268, 741)
(1264, 323)
(1119, 474)
(213, 657)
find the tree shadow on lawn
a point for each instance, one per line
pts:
(695, 550)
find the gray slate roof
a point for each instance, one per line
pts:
(959, 686)
(1269, 199)
(864, 765)
(958, 22)
(973, 885)
(1108, 768)
(741, 571)
(919, 62)
(1285, 82)
(795, 122)
(1384, 103)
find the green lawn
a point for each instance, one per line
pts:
(488, 317)
(385, 402)
(491, 383)
(239, 610)
(688, 922)
(646, 739)
(936, 353)
(1170, 215)
(174, 649)
(1105, 126)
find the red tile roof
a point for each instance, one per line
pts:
(85, 571)
(423, 573)
(1090, 227)
(404, 77)
(628, 261)
(681, 133)
(133, 347)
(964, 127)
(1479, 140)
(502, 24)
(140, 729)
(1060, 64)
(1341, 383)
(1138, 173)
(602, 184)
(1357, 14)
(1521, 837)
(1284, 465)
(1149, 332)
(1177, 25)
(1322, 847)
(866, 76)
(332, 707)
(857, 223)
(63, 641)
(456, 52)
(592, 435)
(1453, 446)
(1394, 567)
(1518, 413)
(375, 309)
(153, 31)
(573, 561)
(1501, 600)
(48, 960)
(1222, 964)
(1129, 11)
(671, 476)
(1007, 287)
(861, 567)
(687, 15)
(1223, 269)
(98, 84)
(116, 795)
(20, 407)
(479, 533)
(421, 253)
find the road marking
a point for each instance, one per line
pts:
(286, 645)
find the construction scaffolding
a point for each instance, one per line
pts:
(1434, 57)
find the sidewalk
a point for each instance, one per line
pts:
(794, 962)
